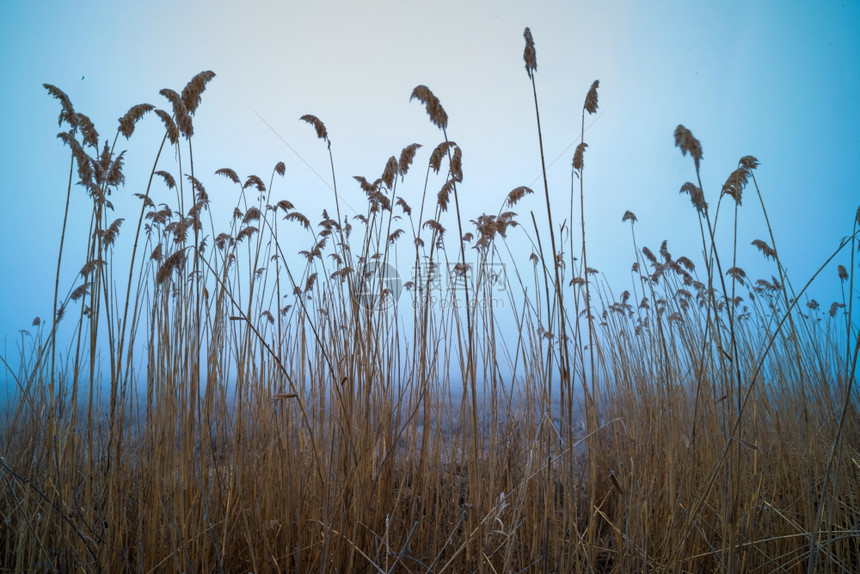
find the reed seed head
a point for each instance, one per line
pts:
(591, 98)
(737, 274)
(253, 214)
(131, 117)
(173, 262)
(748, 162)
(79, 291)
(457, 164)
(88, 131)
(578, 156)
(686, 263)
(664, 251)
(169, 126)
(684, 139)
(438, 154)
(147, 201)
(198, 188)
(517, 194)
(91, 266)
(649, 255)
(530, 55)
(112, 231)
(319, 127)
(696, 196)
(284, 205)
(435, 226)
(735, 184)
(180, 112)
(390, 172)
(168, 179)
(229, 174)
(246, 232)
(444, 195)
(194, 89)
(107, 170)
(298, 217)
(765, 249)
(365, 185)
(404, 206)
(255, 182)
(406, 158)
(437, 114)
(67, 110)
(82, 160)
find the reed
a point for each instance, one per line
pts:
(266, 393)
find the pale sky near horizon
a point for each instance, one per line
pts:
(777, 80)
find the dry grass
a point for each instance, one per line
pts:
(227, 406)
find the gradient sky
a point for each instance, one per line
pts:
(778, 80)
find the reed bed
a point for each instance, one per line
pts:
(269, 394)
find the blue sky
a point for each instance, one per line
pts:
(777, 80)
